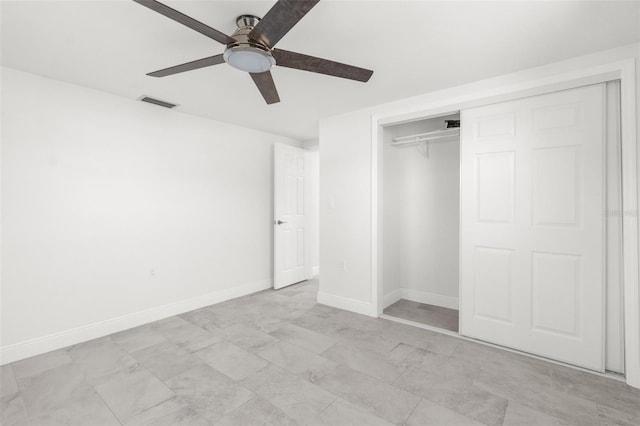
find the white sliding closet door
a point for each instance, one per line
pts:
(532, 229)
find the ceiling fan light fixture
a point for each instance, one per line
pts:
(249, 59)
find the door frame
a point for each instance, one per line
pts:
(625, 71)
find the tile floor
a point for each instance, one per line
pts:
(278, 358)
(435, 316)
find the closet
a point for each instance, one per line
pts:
(508, 228)
(420, 210)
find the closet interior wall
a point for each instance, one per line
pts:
(420, 214)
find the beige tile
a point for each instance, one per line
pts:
(231, 360)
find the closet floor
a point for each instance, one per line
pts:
(434, 316)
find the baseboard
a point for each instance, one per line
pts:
(430, 298)
(391, 298)
(315, 271)
(40, 345)
(352, 305)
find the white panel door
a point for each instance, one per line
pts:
(291, 257)
(532, 227)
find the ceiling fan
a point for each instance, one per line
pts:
(251, 47)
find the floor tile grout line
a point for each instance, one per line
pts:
(412, 411)
(255, 395)
(108, 406)
(505, 411)
(330, 404)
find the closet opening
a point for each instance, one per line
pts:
(557, 191)
(505, 226)
(420, 208)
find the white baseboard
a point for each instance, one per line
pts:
(40, 345)
(357, 306)
(391, 298)
(315, 271)
(430, 298)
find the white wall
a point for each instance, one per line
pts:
(346, 173)
(392, 199)
(345, 210)
(116, 212)
(420, 216)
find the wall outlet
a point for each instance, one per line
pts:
(152, 273)
(343, 265)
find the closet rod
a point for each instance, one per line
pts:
(426, 137)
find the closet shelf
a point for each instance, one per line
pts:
(425, 137)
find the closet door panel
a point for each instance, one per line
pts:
(531, 255)
(493, 280)
(494, 187)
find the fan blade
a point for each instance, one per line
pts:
(323, 66)
(186, 20)
(267, 87)
(280, 19)
(193, 65)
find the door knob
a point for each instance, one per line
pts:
(279, 222)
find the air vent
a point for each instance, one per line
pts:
(157, 102)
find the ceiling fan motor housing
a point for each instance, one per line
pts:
(245, 53)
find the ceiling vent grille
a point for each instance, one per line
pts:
(157, 102)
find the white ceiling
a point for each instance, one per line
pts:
(413, 47)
